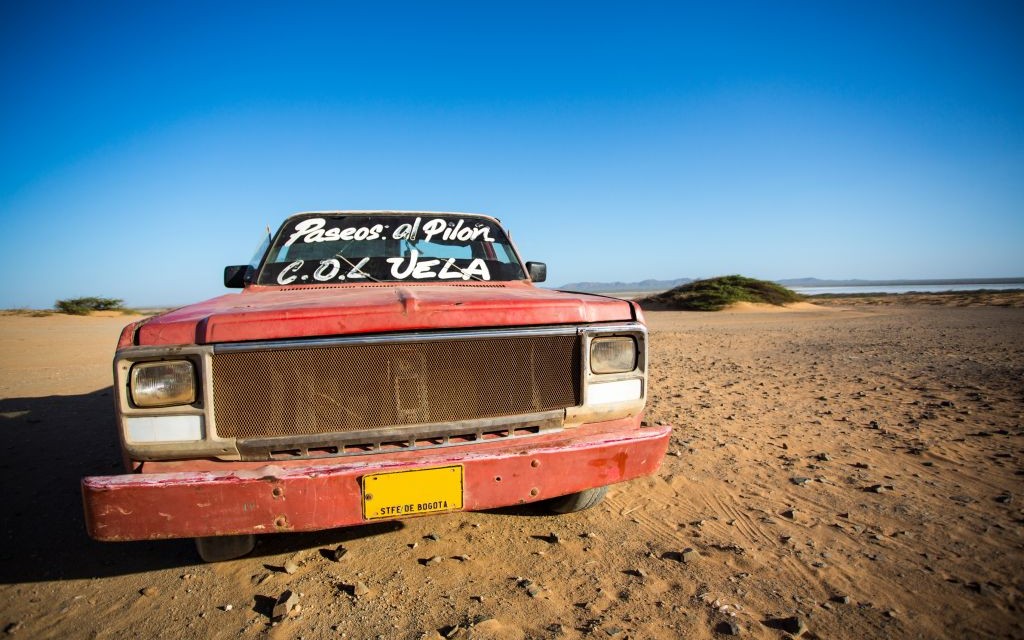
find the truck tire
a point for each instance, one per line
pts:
(577, 501)
(220, 548)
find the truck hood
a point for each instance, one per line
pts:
(275, 313)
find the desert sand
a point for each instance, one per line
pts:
(844, 472)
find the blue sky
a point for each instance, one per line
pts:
(147, 145)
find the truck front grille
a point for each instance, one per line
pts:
(355, 387)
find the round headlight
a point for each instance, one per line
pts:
(613, 355)
(163, 384)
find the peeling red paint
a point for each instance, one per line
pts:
(606, 429)
(270, 313)
(165, 505)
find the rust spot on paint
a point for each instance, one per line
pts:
(281, 522)
(618, 461)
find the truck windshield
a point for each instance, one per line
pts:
(321, 248)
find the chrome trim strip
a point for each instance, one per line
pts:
(601, 329)
(416, 336)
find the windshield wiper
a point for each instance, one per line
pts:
(354, 268)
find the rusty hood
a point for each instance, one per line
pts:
(275, 313)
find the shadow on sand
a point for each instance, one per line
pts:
(51, 443)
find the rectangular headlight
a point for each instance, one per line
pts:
(613, 355)
(163, 384)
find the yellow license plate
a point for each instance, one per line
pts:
(412, 493)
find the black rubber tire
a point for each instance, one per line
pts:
(577, 501)
(221, 548)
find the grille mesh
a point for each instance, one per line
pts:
(282, 392)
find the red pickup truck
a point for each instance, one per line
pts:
(375, 365)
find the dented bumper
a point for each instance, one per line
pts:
(232, 498)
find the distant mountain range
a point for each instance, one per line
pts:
(612, 287)
(664, 285)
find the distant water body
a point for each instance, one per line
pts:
(905, 288)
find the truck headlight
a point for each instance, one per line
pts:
(163, 384)
(613, 355)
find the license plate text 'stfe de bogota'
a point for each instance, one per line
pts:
(410, 493)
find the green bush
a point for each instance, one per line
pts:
(714, 294)
(85, 306)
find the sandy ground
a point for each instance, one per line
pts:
(857, 467)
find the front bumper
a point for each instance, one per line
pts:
(308, 496)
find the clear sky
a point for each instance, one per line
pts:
(146, 145)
